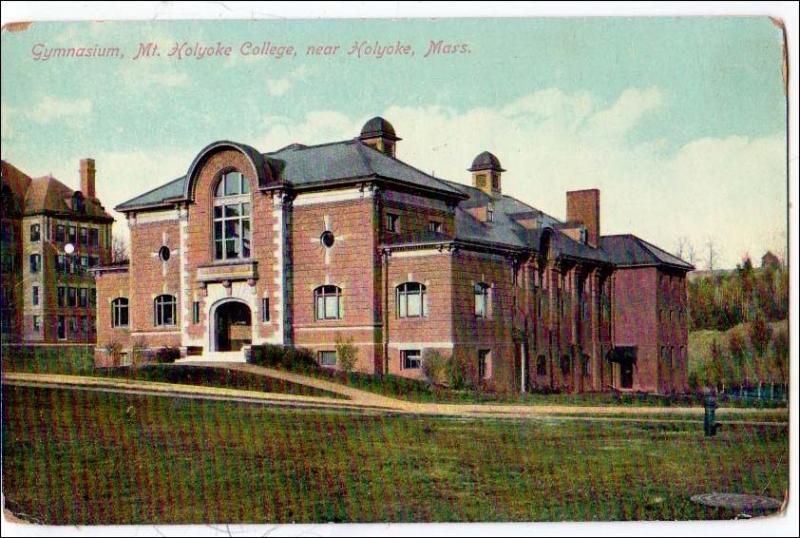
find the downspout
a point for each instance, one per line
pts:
(385, 331)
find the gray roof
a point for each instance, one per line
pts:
(630, 251)
(486, 161)
(378, 126)
(307, 166)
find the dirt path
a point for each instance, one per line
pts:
(364, 401)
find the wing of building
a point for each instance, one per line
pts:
(309, 244)
(51, 237)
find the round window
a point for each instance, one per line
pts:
(326, 239)
(163, 253)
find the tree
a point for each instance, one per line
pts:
(119, 250)
(346, 353)
(711, 254)
(780, 347)
(760, 334)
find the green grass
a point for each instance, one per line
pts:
(187, 374)
(70, 360)
(78, 457)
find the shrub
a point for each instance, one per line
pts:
(167, 354)
(434, 367)
(693, 379)
(456, 373)
(285, 358)
(114, 349)
(139, 353)
(346, 354)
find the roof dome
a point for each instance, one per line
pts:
(486, 161)
(378, 127)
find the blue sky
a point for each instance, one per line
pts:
(680, 121)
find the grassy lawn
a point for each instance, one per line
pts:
(77, 457)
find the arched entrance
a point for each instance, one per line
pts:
(232, 326)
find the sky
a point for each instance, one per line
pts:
(680, 122)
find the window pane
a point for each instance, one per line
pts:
(320, 307)
(218, 249)
(232, 210)
(331, 307)
(217, 212)
(245, 238)
(414, 304)
(232, 183)
(328, 358)
(245, 209)
(245, 185)
(402, 311)
(231, 229)
(230, 249)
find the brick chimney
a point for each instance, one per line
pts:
(584, 207)
(87, 178)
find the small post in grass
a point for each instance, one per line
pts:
(709, 423)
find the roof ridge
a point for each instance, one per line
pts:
(312, 146)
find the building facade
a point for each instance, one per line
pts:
(308, 245)
(51, 237)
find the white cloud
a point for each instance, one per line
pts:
(50, 109)
(280, 86)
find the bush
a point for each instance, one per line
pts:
(139, 353)
(434, 367)
(114, 349)
(284, 358)
(456, 373)
(167, 354)
(346, 354)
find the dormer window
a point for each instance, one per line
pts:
(77, 203)
(489, 213)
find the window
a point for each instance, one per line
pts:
(93, 261)
(495, 182)
(62, 328)
(412, 359)
(92, 297)
(61, 294)
(327, 358)
(72, 297)
(196, 312)
(35, 298)
(78, 203)
(84, 236)
(484, 364)
(83, 297)
(94, 237)
(73, 326)
(72, 235)
(61, 263)
(232, 217)
(327, 239)
(84, 325)
(61, 234)
(119, 312)
(37, 324)
(481, 300)
(328, 302)
(565, 364)
(36, 262)
(480, 181)
(35, 233)
(163, 253)
(392, 222)
(435, 226)
(586, 364)
(164, 310)
(541, 365)
(411, 300)
(489, 213)
(265, 309)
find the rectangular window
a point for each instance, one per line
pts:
(84, 264)
(93, 261)
(83, 234)
(484, 363)
(327, 358)
(196, 312)
(36, 262)
(62, 328)
(61, 233)
(481, 300)
(35, 298)
(36, 233)
(265, 309)
(392, 222)
(83, 297)
(72, 297)
(412, 359)
(72, 235)
(435, 226)
(61, 264)
(94, 237)
(85, 325)
(37, 324)
(73, 326)
(541, 365)
(61, 295)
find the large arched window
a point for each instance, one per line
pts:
(328, 301)
(232, 217)
(164, 310)
(119, 312)
(411, 300)
(482, 300)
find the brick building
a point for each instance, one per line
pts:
(51, 236)
(305, 244)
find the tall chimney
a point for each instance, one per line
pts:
(584, 207)
(87, 178)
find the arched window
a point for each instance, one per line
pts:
(481, 300)
(328, 301)
(119, 312)
(164, 310)
(412, 301)
(232, 217)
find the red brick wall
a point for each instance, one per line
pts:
(110, 285)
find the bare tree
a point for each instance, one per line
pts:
(119, 250)
(691, 254)
(711, 254)
(682, 245)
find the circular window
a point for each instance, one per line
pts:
(326, 239)
(163, 253)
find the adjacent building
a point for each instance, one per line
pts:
(51, 237)
(307, 245)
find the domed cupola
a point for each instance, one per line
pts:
(486, 173)
(379, 134)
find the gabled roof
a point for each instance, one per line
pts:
(630, 251)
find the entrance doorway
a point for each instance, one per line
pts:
(232, 326)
